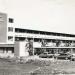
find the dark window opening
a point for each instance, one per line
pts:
(10, 38)
(10, 29)
(11, 20)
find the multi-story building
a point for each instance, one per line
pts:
(41, 39)
(6, 34)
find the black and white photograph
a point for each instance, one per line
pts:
(37, 37)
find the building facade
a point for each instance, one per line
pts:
(9, 35)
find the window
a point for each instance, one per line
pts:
(1, 18)
(10, 20)
(10, 29)
(10, 38)
(1, 50)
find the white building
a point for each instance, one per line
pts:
(9, 35)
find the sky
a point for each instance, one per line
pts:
(46, 15)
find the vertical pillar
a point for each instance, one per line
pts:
(33, 47)
(5, 51)
(71, 51)
(56, 50)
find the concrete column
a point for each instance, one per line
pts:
(33, 47)
(71, 51)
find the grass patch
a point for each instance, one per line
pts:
(13, 68)
(57, 68)
(39, 63)
(37, 67)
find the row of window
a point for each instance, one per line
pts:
(47, 43)
(19, 30)
(6, 50)
(10, 29)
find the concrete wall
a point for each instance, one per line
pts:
(3, 28)
(16, 49)
(20, 49)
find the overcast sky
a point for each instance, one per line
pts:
(47, 15)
